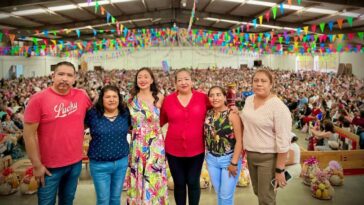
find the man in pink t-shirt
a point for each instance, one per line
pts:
(53, 134)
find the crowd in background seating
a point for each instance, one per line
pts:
(311, 96)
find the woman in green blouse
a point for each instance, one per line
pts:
(223, 132)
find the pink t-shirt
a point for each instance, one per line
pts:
(185, 124)
(61, 125)
(267, 129)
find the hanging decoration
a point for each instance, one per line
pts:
(235, 40)
(192, 16)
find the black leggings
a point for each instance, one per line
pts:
(186, 171)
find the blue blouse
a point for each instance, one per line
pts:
(108, 138)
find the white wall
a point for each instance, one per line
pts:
(357, 61)
(33, 66)
(281, 62)
(176, 57)
(288, 62)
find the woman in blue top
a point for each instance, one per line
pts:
(109, 122)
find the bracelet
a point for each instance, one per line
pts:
(278, 170)
(235, 165)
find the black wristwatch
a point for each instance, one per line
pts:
(279, 170)
(233, 164)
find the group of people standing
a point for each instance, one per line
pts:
(200, 127)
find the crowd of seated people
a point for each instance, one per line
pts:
(310, 95)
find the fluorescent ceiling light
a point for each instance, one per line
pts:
(29, 39)
(119, 1)
(3, 16)
(261, 3)
(93, 3)
(292, 7)
(237, 1)
(270, 26)
(230, 21)
(211, 19)
(61, 8)
(28, 12)
(289, 28)
(322, 11)
(223, 20)
(350, 14)
(144, 19)
(265, 3)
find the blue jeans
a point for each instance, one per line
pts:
(361, 140)
(108, 180)
(219, 175)
(63, 179)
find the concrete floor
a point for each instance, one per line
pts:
(295, 193)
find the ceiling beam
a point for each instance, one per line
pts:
(117, 8)
(168, 14)
(30, 19)
(208, 4)
(5, 4)
(235, 7)
(293, 12)
(316, 18)
(86, 10)
(161, 13)
(12, 26)
(157, 25)
(145, 5)
(59, 14)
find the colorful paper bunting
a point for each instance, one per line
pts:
(274, 10)
(78, 33)
(351, 36)
(11, 37)
(340, 22)
(322, 26)
(313, 28)
(350, 21)
(102, 9)
(267, 15)
(260, 20)
(331, 25)
(108, 16)
(360, 35)
(96, 6)
(305, 29)
(255, 23)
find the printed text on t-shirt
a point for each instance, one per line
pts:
(63, 111)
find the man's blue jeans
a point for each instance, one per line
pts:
(64, 180)
(108, 180)
(224, 184)
(361, 140)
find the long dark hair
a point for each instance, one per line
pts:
(99, 106)
(153, 87)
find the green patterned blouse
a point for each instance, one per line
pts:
(219, 133)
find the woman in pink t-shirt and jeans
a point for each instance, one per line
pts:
(185, 111)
